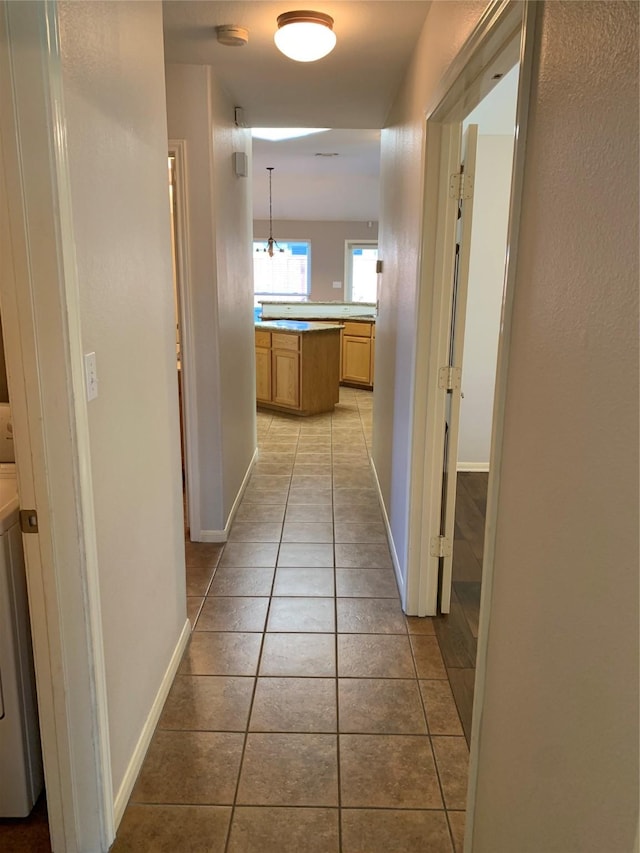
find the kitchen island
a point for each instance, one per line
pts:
(297, 366)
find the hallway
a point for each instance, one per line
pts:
(309, 714)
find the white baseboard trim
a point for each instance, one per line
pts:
(223, 535)
(392, 545)
(473, 466)
(140, 751)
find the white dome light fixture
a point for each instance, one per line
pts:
(305, 36)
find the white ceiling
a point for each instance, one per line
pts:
(352, 87)
(350, 91)
(496, 113)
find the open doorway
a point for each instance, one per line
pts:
(458, 633)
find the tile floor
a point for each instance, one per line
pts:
(309, 715)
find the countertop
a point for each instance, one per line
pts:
(296, 326)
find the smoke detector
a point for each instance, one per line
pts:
(232, 36)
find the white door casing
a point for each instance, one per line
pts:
(40, 308)
(463, 187)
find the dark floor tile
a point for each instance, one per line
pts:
(29, 834)
(426, 651)
(260, 512)
(299, 655)
(360, 532)
(196, 768)
(380, 706)
(233, 614)
(462, 684)
(208, 703)
(476, 484)
(466, 566)
(289, 770)
(255, 531)
(468, 594)
(394, 831)
(366, 583)
(388, 771)
(313, 555)
(457, 643)
(221, 654)
(374, 656)
(309, 512)
(470, 522)
(457, 822)
(421, 625)
(370, 616)
(194, 603)
(198, 579)
(363, 556)
(440, 707)
(229, 581)
(302, 615)
(284, 830)
(294, 705)
(296, 581)
(167, 829)
(250, 555)
(202, 554)
(452, 758)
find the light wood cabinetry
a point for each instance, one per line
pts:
(357, 354)
(298, 373)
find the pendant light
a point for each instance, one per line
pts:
(305, 36)
(271, 242)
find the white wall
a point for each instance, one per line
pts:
(116, 136)
(484, 300)
(558, 740)
(221, 285)
(327, 248)
(402, 145)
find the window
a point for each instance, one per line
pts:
(285, 276)
(360, 271)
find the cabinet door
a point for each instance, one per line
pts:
(285, 378)
(263, 374)
(356, 359)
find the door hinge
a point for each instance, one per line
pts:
(449, 378)
(461, 186)
(441, 546)
(28, 521)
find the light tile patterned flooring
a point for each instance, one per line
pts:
(309, 715)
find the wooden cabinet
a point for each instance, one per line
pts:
(298, 372)
(263, 374)
(357, 354)
(285, 378)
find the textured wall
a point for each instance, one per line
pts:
(221, 286)
(558, 746)
(118, 159)
(401, 179)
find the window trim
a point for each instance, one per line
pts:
(349, 245)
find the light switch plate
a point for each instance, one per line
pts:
(91, 375)
(337, 284)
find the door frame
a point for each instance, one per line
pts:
(188, 366)
(39, 292)
(503, 36)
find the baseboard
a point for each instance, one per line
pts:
(392, 545)
(223, 535)
(140, 751)
(473, 466)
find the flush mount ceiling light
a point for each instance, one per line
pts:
(305, 36)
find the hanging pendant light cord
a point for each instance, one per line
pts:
(270, 241)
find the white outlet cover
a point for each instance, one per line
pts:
(91, 375)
